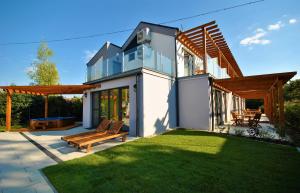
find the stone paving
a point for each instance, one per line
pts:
(51, 140)
(21, 160)
(20, 164)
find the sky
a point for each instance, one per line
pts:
(263, 37)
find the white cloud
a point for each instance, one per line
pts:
(292, 21)
(257, 38)
(276, 26)
(89, 54)
(29, 69)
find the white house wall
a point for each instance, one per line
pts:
(117, 83)
(159, 103)
(194, 104)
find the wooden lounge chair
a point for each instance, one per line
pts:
(253, 125)
(100, 130)
(113, 132)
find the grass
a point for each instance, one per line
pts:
(13, 127)
(182, 161)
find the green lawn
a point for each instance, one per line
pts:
(14, 127)
(182, 161)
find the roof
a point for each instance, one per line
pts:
(162, 29)
(47, 90)
(256, 86)
(215, 44)
(102, 52)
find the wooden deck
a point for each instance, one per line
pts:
(49, 129)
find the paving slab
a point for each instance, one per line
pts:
(51, 141)
(20, 164)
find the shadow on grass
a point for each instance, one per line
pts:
(182, 161)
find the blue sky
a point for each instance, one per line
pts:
(264, 37)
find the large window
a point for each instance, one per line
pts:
(111, 104)
(218, 107)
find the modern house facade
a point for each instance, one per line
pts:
(156, 81)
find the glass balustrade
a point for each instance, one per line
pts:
(141, 56)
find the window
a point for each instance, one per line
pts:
(131, 56)
(111, 104)
(188, 64)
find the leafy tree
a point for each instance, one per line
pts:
(292, 90)
(44, 72)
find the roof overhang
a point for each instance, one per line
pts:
(49, 90)
(254, 87)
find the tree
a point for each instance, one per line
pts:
(292, 90)
(44, 72)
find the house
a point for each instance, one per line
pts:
(163, 78)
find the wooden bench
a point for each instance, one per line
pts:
(88, 142)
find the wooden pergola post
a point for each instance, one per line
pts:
(204, 50)
(46, 106)
(281, 104)
(8, 109)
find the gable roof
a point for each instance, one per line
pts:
(101, 52)
(162, 29)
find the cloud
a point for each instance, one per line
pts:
(276, 26)
(29, 69)
(257, 38)
(292, 21)
(88, 55)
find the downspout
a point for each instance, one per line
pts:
(176, 86)
(136, 107)
(212, 103)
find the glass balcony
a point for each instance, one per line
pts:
(141, 56)
(214, 69)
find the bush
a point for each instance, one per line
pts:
(292, 118)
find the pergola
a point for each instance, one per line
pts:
(40, 90)
(207, 40)
(268, 87)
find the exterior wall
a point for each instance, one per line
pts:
(122, 82)
(194, 102)
(164, 44)
(159, 103)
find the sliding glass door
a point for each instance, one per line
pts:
(110, 104)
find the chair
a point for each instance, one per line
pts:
(100, 130)
(113, 132)
(253, 125)
(237, 121)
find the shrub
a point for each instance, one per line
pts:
(292, 118)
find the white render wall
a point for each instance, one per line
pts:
(117, 83)
(159, 103)
(194, 104)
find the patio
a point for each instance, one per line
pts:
(51, 141)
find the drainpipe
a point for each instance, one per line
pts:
(176, 87)
(212, 103)
(136, 107)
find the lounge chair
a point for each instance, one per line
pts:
(113, 132)
(100, 130)
(253, 125)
